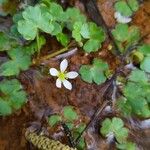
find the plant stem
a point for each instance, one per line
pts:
(55, 53)
(38, 44)
(39, 60)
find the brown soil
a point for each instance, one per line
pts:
(45, 99)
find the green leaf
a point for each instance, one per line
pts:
(145, 49)
(127, 146)
(92, 46)
(124, 107)
(19, 61)
(125, 36)
(137, 102)
(57, 12)
(106, 127)
(85, 31)
(80, 128)
(94, 72)
(3, 1)
(12, 96)
(32, 13)
(134, 5)
(96, 33)
(81, 145)
(35, 18)
(145, 64)
(74, 15)
(57, 29)
(121, 136)
(53, 120)
(116, 126)
(5, 109)
(70, 125)
(63, 39)
(133, 34)
(138, 76)
(6, 43)
(76, 31)
(27, 29)
(121, 32)
(69, 113)
(122, 7)
(86, 75)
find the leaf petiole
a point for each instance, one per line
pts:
(38, 42)
(39, 60)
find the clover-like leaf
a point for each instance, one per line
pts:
(34, 19)
(145, 49)
(133, 4)
(136, 103)
(5, 108)
(19, 61)
(106, 127)
(145, 64)
(28, 29)
(120, 32)
(125, 36)
(54, 119)
(63, 39)
(76, 31)
(74, 15)
(94, 72)
(85, 31)
(6, 43)
(69, 113)
(57, 12)
(12, 96)
(92, 46)
(122, 7)
(115, 126)
(138, 76)
(127, 146)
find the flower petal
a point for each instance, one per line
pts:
(122, 19)
(117, 15)
(53, 71)
(58, 83)
(71, 75)
(63, 65)
(67, 84)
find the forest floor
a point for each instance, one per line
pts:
(44, 98)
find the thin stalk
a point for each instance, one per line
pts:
(96, 114)
(38, 43)
(55, 53)
(39, 60)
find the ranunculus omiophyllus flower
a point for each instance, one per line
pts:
(63, 75)
(122, 19)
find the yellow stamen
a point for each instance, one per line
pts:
(62, 76)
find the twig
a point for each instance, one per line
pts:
(100, 108)
(96, 114)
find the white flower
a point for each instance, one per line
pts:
(121, 19)
(63, 75)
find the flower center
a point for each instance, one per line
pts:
(62, 76)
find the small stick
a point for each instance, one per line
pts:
(96, 114)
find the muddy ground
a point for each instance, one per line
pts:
(45, 99)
